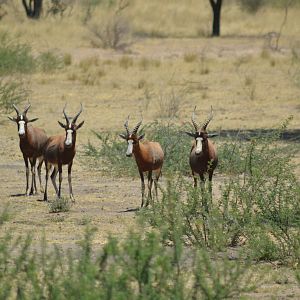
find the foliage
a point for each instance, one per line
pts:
(14, 56)
(251, 6)
(59, 205)
(258, 206)
(112, 33)
(12, 91)
(49, 61)
(139, 267)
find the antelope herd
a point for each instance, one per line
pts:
(59, 150)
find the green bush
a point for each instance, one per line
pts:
(12, 91)
(59, 205)
(15, 56)
(49, 61)
(139, 267)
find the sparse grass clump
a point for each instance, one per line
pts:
(190, 57)
(12, 91)
(126, 62)
(169, 104)
(49, 61)
(59, 205)
(15, 56)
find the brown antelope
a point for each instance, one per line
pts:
(203, 155)
(32, 142)
(59, 151)
(149, 157)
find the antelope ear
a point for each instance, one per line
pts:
(189, 133)
(122, 136)
(32, 120)
(61, 124)
(141, 136)
(12, 119)
(210, 135)
(79, 125)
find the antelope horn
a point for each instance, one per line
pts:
(16, 109)
(126, 125)
(193, 120)
(76, 117)
(208, 120)
(64, 112)
(26, 109)
(136, 128)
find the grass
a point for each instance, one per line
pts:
(12, 91)
(59, 205)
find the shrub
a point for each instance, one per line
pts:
(49, 61)
(169, 104)
(139, 267)
(59, 205)
(251, 6)
(112, 32)
(12, 91)
(14, 56)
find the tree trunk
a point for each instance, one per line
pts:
(216, 7)
(33, 8)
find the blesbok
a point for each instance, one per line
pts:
(32, 142)
(149, 157)
(60, 150)
(203, 155)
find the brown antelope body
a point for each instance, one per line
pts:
(32, 143)
(60, 150)
(149, 157)
(203, 155)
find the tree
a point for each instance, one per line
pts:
(216, 6)
(33, 8)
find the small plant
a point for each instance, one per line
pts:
(12, 91)
(67, 59)
(169, 104)
(190, 57)
(14, 56)
(125, 62)
(49, 61)
(251, 6)
(110, 33)
(59, 205)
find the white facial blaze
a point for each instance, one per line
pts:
(68, 141)
(21, 127)
(198, 145)
(129, 148)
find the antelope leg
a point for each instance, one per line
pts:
(27, 175)
(143, 187)
(70, 181)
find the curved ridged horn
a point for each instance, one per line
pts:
(126, 125)
(193, 120)
(26, 109)
(76, 117)
(208, 120)
(136, 128)
(16, 109)
(64, 112)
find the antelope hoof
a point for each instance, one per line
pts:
(72, 198)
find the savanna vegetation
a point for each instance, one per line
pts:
(155, 59)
